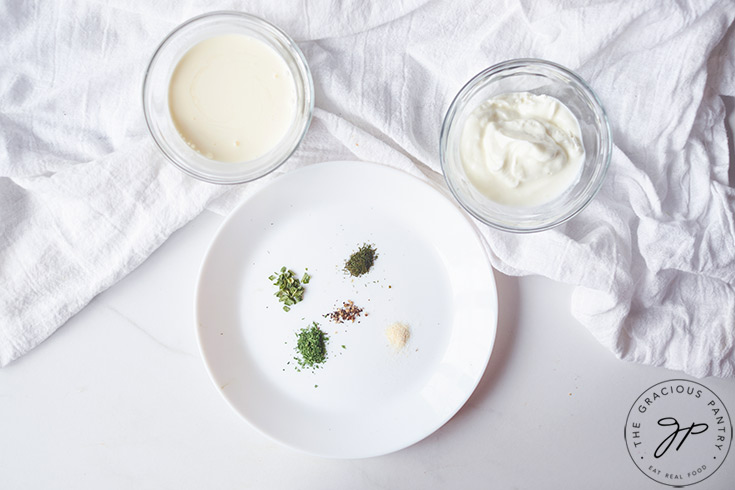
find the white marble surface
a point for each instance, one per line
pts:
(119, 398)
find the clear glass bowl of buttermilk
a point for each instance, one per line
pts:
(525, 145)
(227, 97)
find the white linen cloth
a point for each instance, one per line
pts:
(85, 197)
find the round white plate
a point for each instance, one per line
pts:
(432, 273)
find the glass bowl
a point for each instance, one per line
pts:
(155, 96)
(537, 77)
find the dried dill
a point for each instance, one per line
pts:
(290, 288)
(361, 261)
(311, 346)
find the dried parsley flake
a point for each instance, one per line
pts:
(312, 346)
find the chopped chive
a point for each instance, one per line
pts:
(290, 289)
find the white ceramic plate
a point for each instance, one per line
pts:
(432, 273)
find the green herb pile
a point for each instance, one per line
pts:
(312, 346)
(290, 289)
(361, 261)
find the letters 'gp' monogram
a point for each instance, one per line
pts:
(678, 432)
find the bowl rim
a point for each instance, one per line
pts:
(292, 47)
(605, 136)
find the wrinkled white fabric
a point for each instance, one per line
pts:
(85, 197)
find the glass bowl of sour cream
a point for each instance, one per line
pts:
(525, 145)
(227, 97)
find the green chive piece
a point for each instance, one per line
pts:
(290, 289)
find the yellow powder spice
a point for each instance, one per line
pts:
(398, 334)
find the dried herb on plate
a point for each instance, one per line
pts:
(361, 261)
(311, 346)
(290, 288)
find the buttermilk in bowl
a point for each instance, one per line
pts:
(232, 98)
(522, 149)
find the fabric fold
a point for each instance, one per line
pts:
(85, 197)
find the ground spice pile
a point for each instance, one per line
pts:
(398, 334)
(361, 261)
(311, 346)
(349, 312)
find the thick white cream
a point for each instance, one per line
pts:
(232, 98)
(522, 149)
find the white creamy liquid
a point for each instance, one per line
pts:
(232, 98)
(522, 149)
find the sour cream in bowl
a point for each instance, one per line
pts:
(525, 145)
